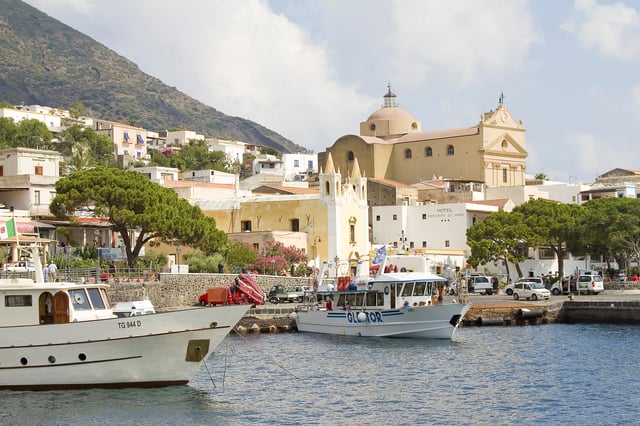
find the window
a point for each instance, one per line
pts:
(295, 225)
(245, 226)
(395, 217)
(424, 216)
(424, 244)
(36, 197)
(428, 152)
(504, 175)
(447, 243)
(450, 150)
(17, 300)
(1, 170)
(296, 163)
(546, 253)
(352, 234)
(377, 218)
(372, 127)
(327, 189)
(310, 164)
(39, 170)
(96, 300)
(256, 247)
(79, 300)
(350, 156)
(407, 153)
(410, 244)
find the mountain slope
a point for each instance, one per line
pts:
(44, 62)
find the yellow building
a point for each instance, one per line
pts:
(392, 145)
(333, 220)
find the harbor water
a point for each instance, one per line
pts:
(546, 374)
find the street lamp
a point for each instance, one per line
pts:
(336, 261)
(178, 250)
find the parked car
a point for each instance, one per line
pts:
(530, 290)
(508, 289)
(21, 266)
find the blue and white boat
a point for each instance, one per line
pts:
(401, 300)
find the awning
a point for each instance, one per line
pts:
(126, 136)
(140, 139)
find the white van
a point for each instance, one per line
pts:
(591, 284)
(480, 284)
(587, 283)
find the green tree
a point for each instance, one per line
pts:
(32, 134)
(240, 256)
(97, 148)
(541, 176)
(610, 228)
(551, 224)
(498, 237)
(8, 131)
(139, 210)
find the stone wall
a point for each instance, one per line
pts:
(182, 290)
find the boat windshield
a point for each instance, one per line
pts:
(96, 300)
(79, 299)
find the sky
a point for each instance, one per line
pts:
(313, 70)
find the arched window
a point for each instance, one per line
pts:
(407, 153)
(327, 189)
(450, 150)
(350, 156)
(428, 152)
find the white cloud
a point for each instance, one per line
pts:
(463, 40)
(610, 29)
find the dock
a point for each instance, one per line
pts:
(610, 306)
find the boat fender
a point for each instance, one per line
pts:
(293, 315)
(362, 317)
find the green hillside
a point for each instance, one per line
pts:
(44, 62)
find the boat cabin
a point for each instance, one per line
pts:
(25, 302)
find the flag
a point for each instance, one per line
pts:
(380, 255)
(8, 230)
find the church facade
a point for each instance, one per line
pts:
(392, 145)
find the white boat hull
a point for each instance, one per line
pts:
(142, 351)
(434, 321)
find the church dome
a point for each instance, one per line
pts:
(390, 113)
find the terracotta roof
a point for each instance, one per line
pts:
(284, 190)
(187, 183)
(390, 182)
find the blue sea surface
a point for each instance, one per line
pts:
(544, 374)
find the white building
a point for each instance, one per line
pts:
(436, 229)
(159, 174)
(233, 150)
(28, 178)
(36, 112)
(181, 137)
(562, 192)
(210, 176)
(267, 164)
(298, 166)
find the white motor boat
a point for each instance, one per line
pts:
(402, 300)
(64, 335)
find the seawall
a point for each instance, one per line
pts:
(182, 290)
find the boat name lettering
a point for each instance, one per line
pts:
(352, 317)
(130, 324)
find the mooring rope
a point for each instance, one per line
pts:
(272, 359)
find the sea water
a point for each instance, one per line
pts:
(546, 374)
